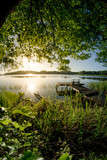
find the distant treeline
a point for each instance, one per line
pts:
(59, 72)
(94, 72)
(41, 72)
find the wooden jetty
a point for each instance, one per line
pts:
(77, 87)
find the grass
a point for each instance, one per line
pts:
(52, 129)
(101, 87)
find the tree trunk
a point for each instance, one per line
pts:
(7, 7)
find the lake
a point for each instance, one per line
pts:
(44, 84)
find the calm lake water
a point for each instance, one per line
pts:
(43, 84)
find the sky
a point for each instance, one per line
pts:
(76, 66)
(87, 65)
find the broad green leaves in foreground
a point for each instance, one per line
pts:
(54, 30)
(50, 129)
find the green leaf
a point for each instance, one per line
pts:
(21, 127)
(17, 111)
(30, 156)
(65, 156)
(1, 139)
(16, 125)
(6, 121)
(26, 144)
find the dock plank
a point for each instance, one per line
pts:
(90, 94)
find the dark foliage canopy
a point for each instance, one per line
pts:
(55, 30)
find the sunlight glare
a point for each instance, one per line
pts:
(30, 75)
(28, 65)
(31, 87)
(31, 65)
(36, 66)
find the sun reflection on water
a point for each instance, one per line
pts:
(31, 87)
(30, 75)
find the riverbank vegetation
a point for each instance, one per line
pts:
(101, 87)
(51, 129)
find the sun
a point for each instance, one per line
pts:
(28, 65)
(36, 66)
(31, 65)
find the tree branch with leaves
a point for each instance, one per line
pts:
(55, 30)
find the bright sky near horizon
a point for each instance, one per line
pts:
(87, 65)
(79, 65)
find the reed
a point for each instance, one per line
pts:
(101, 87)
